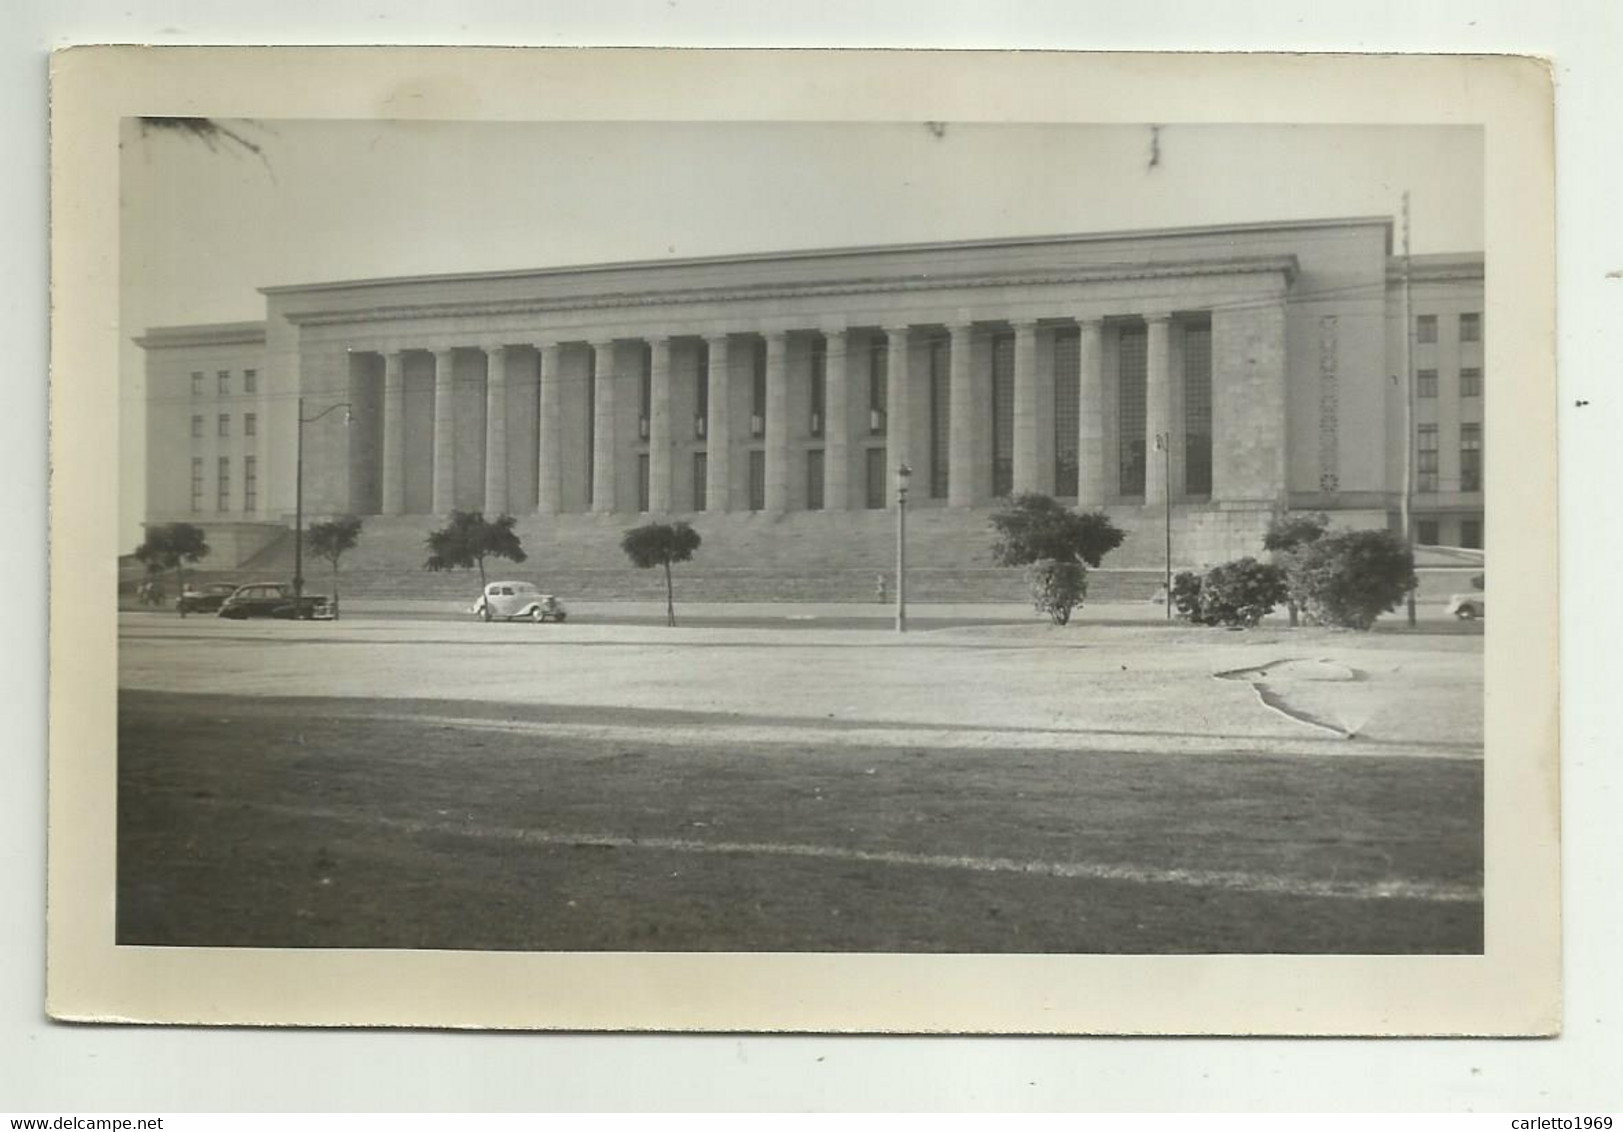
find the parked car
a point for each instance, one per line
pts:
(513, 601)
(274, 599)
(1468, 607)
(205, 600)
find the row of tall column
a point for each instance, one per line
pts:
(1032, 391)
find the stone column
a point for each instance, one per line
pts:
(495, 430)
(549, 433)
(898, 422)
(1028, 476)
(961, 431)
(394, 433)
(444, 433)
(777, 421)
(1090, 436)
(836, 420)
(604, 451)
(1157, 409)
(659, 428)
(719, 428)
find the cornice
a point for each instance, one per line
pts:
(220, 334)
(1285, 265)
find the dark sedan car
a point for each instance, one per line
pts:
(205, 600)
(273, 599)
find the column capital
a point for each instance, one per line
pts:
(833, 326)
(958, 326)
(602, 343)
(1023, 325)
(779, 336)
(896, 331)
(1156, 317)
(713, 337)
(1089, 322)
(493, 347)
(443, 352)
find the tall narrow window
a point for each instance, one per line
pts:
(701, 477)
(250, 424)
(1428, 533)
(225, 424)
(250, 483)
(1471, 327)
(1426, 462)
(814, 479)
(1002, 415)
(250, 381)
(197, 383)
(1132, 368)
(1470, 382)
(197, 483)
(223, 483)
(1425, 328)
(642, 481)
(874, 485)
(1471, 533)
(1197, 410)
(1470, 457)
(197, 427)
(757, 470)
(701, 393)
(819, 388)
(645, 395)
(224, 377)
(940, 415)
(878, 369)
(758, 393)
(1425, 384)
(591, 428)
(1067, 409)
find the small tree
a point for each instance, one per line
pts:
(468, 539)
(332, 540)
(1035, 527)
(1057, 587)
(1241, 593)
(169, 546)
(660, 544)
(1288, 534)
(1351, 578)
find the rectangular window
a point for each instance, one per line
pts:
(645, 398)
(1427, 533)
(197, 428)
(757, 468)
(250, 483)
(1067, 409)
(250, 424)
(1470, 457)
(1002, 415)
(758, 392)
(223, 484)
(1471, 327)
(197, 383)
(814, 479)
(197, 483)
(819, 388)
(225, 424)
(1132, 366)
(874, 485)
(940, 416)
(878, 369)
(1425, 328)
(225, 382)
(1425, 384)
(701, 393)
(1426, 464)
(642, 481)
(701, 478)
(1197, 410)
(1470, 382)
(250, 381)
(1471, 533)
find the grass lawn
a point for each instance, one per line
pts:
(368, 821)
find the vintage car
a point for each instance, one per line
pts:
(208, 599)
(275, 599)
(1468, 607)
(513, 601)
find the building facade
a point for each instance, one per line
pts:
(1227, 373)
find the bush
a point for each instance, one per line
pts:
(1036, 528)
(1057, 587)
(1186, 596)
(1242, 592)
(1350, 579)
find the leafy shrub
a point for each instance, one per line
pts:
(1035, 528)
(1057, 587)
(1186, 596)
(1241, 592)
(1351, 578)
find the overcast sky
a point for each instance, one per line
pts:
(203, 228)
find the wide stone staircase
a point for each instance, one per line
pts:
(745, 556)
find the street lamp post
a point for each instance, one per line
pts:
(902, 474)
(298, 489)
(1163, 445)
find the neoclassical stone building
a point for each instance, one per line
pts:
(1230, 373)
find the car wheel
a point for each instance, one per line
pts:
(484, 613)
(538, 615)
(1467, 613)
